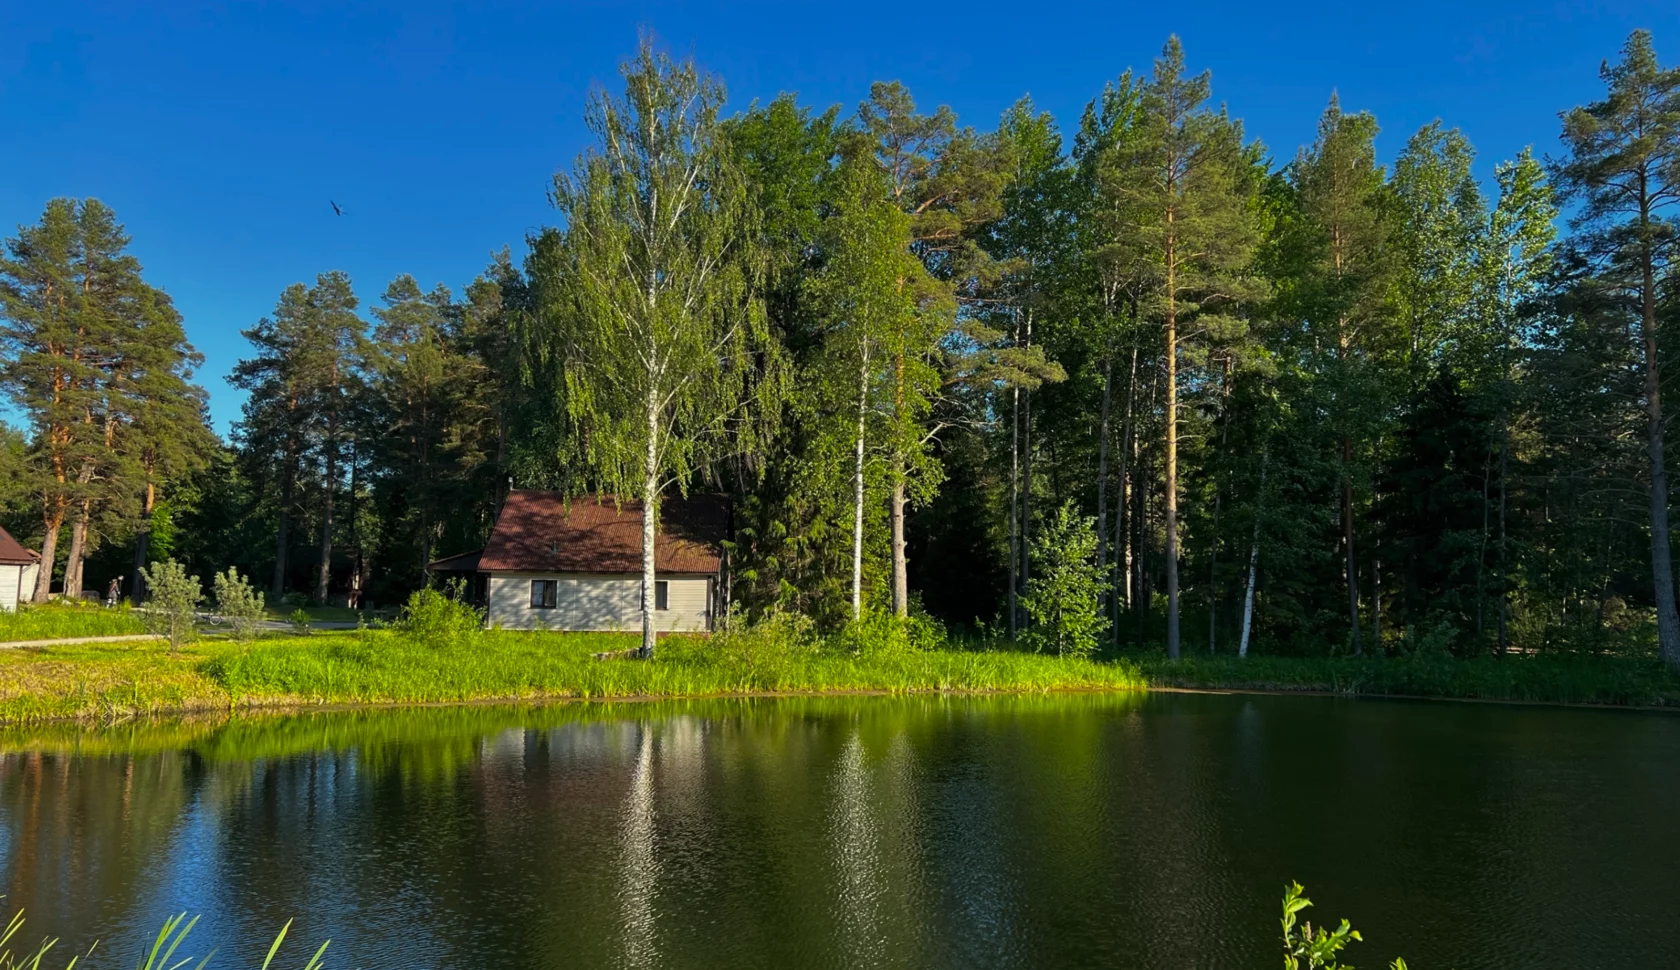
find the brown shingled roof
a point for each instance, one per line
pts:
(13, 554)
(541, 532)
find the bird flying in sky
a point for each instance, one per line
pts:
(336, 210)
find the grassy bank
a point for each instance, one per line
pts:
(1564, 679)
(63, 620)
(106, 682)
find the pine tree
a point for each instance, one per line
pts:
(1340, 283)
(1623, 170)
(1189, 186)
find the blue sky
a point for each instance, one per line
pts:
(220, 132)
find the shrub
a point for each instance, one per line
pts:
(239, 602)
(173, 598)
(1321, 950)
(1065, 591)
(778, 634)
(299, 619)
(877, 633)
(438, 618)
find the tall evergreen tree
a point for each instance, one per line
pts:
(1187, 180)
(1623, 171)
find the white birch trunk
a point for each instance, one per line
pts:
(857, 490)
(650, 520)
(1253, 561)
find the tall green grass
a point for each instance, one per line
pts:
(55, 621)
(386, 666)
(1551, 678)
(159, 955)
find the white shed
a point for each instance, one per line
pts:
(554, 564)
(18, 569)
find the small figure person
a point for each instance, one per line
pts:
(111, 592)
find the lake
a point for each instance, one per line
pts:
(1063, 831)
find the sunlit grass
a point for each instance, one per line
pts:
(113, 681)
(387, 666)
(57, 621)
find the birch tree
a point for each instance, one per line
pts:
(654, 321)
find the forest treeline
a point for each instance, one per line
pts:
(1316, 403)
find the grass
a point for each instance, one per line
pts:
(1550, 678)
(112, 681)
(319, 614)
(63, 620)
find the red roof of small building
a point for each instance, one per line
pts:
(14, 554)
(542, 532)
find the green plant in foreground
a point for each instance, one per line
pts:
(300, 622)
(239, 602)
(1320, 949)
(160, 955)
(173, 599)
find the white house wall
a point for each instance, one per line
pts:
(600, 603)
(11, 577)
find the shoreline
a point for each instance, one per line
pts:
(288, 706)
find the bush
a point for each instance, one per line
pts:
(1065, 592)
(877, 633)
(773, 637)
(173, 598)
(239, 602)
(439, 618)
(300, 620)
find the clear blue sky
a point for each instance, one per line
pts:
(219, 132)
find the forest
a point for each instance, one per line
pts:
(1197, 394)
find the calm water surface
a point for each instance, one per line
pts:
(1086, 831)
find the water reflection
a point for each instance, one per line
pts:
(1100, 831)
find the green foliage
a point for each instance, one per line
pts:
(238, 602)
(1319, 949)
(440, 618)
(160, 955)
(300, 621)
(173, 600)
(1063, 597)
(879, 632)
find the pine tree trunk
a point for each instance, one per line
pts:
(78, 548)
(650, 527)
(1352, 563)
(1662, 562)
(857, 490)
(51, 523)
(323, 575)
(282, 528)
(1218, 502)
(142, 542)
(1253, 560)
(1015, 514)
(1504, 586)
(1170, 484)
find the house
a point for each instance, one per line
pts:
(554, 564)
(18, 569)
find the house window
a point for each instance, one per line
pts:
(545, 593)
(661, 595)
